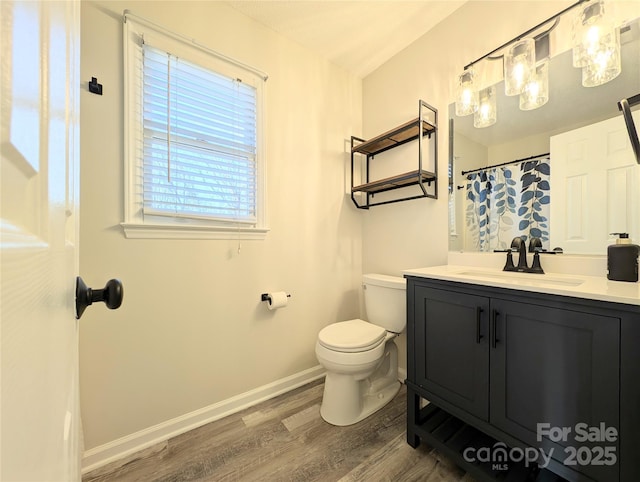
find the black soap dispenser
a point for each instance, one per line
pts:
(622, 259)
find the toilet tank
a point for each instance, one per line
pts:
(385, 301)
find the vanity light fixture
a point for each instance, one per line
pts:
(581, 36)
(486, 115)
(596, 44)
(526, 71)
(519, 65)
(536, 89)
(466, 93)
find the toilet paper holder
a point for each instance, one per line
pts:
(266, 297)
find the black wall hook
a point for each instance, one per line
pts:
(94, 87)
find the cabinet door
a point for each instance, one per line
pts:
(451, 348)
(554, 366)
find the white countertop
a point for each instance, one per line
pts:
(578, 286)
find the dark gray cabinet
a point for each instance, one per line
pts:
(552, 365)
(503, 361)
(454, 362)
(557, 367)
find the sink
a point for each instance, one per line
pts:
(528, 279)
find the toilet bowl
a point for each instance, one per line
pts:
(360, 356)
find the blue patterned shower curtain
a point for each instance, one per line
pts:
(505, 202)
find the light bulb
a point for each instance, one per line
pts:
(466, 93)
(596, 45)
(519, 65)
(603, 61)
(486, 115)
(536, 91)
(605, 65)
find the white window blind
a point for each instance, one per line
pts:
(195, 165)
(199, 141)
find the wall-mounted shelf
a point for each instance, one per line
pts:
(393, 138)
(415, 129)
(394, 182)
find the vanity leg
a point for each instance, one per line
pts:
(413, 416)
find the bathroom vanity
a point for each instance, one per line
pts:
(519, 361)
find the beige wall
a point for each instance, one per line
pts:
(192, 331)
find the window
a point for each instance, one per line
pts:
(194, 160)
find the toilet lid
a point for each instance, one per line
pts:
(351, 336)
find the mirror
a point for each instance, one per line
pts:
(521, 134)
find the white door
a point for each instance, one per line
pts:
(40, 439)
(594, 187)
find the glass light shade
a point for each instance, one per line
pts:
(596, 46)
(605, 63)
(587, 16)
(466, 93)
(536, 91)
(519, 65)
(486, 115)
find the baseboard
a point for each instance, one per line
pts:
(122, 447)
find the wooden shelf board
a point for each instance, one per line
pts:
(400, 134)
(395, 182)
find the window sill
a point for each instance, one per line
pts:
(169, 231)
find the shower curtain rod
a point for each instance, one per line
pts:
(506, 163)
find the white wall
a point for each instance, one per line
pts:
(192, 331)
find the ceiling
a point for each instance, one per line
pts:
(356, 35)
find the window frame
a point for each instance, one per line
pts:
(137, 224)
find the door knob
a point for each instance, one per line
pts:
(111, 295)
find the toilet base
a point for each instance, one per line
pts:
(352, 396)
(351, 405)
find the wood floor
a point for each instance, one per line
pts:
(285, 439)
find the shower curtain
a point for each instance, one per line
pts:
(505, 202)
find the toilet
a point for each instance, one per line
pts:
(360, 356)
